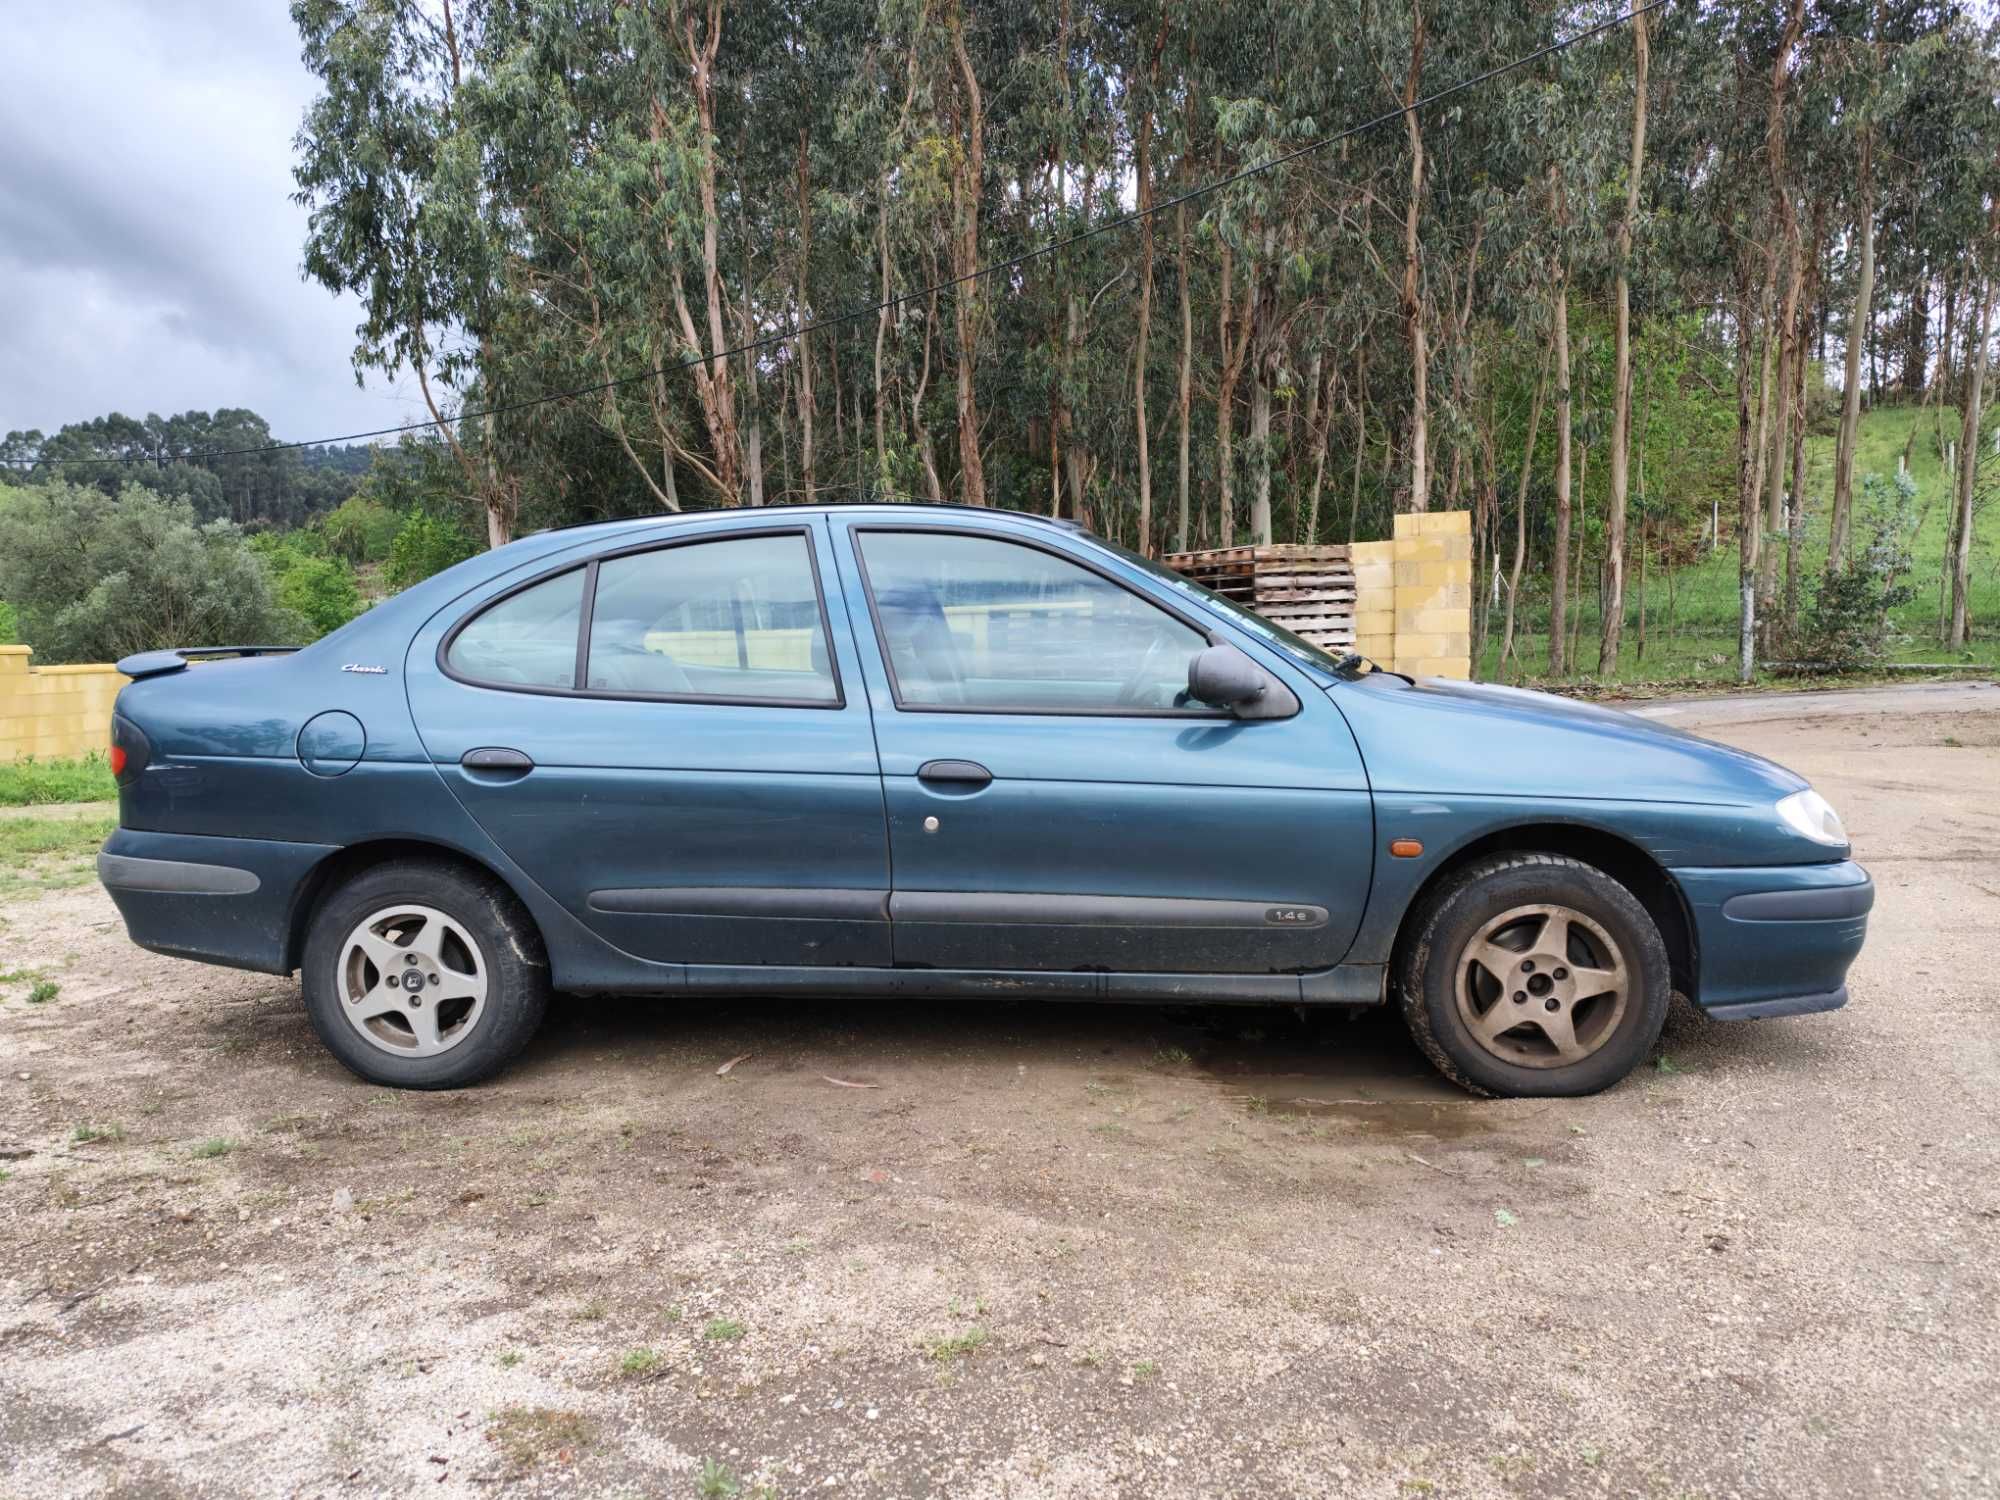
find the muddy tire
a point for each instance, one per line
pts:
(1533, 975)
(424, 975)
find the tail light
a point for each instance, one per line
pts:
(129, 750)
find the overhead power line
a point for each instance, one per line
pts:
(836, 320)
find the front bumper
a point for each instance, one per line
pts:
(221, 900)
(1776, 940)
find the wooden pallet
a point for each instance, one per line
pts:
(1309, 590)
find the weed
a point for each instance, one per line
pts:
(208, 1150)
(528, 1435)
(672, 1314)
(639, 1363)
(1257, 1104)
(715, 1482)
(1173, 1057)
(43, 991)
(1146, 1369)
(592, 1311)
(510, 1358)
(84, 1134)
(722, 1328)
(1665, 1064)
(955, 1346)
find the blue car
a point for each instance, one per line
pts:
(948, 754)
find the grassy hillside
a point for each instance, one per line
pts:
(1691, 611)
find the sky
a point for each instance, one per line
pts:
(149, 247)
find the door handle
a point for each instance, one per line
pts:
(497, 761)
(959, 775)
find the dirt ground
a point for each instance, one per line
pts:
(1027, 1250)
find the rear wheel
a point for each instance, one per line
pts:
(424, 975)
(1534, 974)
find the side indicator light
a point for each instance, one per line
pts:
(1405, 848)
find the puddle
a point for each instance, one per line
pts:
(1365, 1072)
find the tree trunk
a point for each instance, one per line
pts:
(1186, 398)
(1968, 469)
(1360, 441)
(799, 310)
(1850, 393)
(1142, 167)
(1263, 375)
(1412, 299)
(966, 184)
(1559, 553)
(1521, 507)
(1613, 623)
(1233, 351)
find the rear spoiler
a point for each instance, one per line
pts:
(158, 663)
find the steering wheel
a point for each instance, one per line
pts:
(1142, 677)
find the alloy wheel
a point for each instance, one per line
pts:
(1542, 986)
(412, 981)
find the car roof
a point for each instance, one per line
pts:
(824, 507)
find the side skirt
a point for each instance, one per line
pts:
(1345, 984)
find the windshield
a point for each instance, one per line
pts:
(1298, 648)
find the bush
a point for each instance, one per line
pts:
(320, 590)
(1846, 624)
(93, 578)
(426, 544)
(10, 625)
(360, 530)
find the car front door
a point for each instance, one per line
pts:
(669, 739)
(1055, 802)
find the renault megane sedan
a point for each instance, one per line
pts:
(948, 754)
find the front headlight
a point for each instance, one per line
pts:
(1811, 816)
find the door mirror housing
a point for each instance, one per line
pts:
(1224, 677)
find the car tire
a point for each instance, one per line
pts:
(1533, 975)
(424, 975)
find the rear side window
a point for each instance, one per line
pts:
(736, 619)
(526, 640)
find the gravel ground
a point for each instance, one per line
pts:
(1031, 1250)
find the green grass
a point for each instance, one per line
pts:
(32, 783)
(955, 1346)
(49, 853)
(1691, 614)
(211, 1149)
(83, 1135)
(723, 1329)
(42, 991)
(639, 1363)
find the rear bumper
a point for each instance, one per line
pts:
(1776, 940)
(220, 900)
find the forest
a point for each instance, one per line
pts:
(1694, 315)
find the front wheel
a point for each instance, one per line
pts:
(1534, 974)
(424, 975)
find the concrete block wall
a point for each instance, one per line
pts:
(54, 713)
(1413, 596)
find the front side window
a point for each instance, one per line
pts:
(528, 639)
(976, 623)
(737, 618)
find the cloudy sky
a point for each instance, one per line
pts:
(149, 247)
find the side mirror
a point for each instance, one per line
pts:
(1223, 677)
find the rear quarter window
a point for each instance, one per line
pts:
(527, 639)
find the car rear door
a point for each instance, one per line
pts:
(1054, 802)
(671, 740)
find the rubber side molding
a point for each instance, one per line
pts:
(125, 872)
(1012, 908)
(1824, 904)
(744, 901)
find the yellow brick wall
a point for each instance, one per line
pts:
(1413, 596)
(54, 713)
